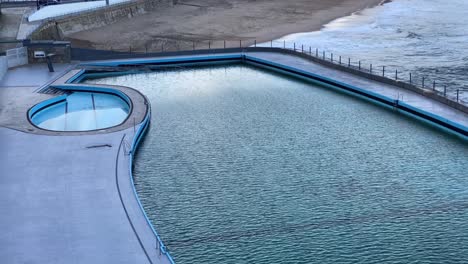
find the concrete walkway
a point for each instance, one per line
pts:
(414, 99)
(68, 197)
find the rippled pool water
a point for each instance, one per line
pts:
(246, 166)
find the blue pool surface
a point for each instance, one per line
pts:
(82, 111)
(242, 165)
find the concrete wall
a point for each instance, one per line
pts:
(57, 28)
(17, 57)
(3, 66)
(60, 49)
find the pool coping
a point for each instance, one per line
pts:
(88, 89)
(396, 104)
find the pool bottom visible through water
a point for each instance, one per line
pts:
(242, 165)
(83, 111)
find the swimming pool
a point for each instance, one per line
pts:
(81, 111)
(243, 165)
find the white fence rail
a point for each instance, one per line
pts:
(17, 57)
(3, 66)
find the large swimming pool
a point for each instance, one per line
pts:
(242, 165)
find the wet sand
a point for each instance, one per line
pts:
(197, 22)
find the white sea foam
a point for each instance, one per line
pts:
(426, 37)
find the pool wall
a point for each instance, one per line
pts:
(79, 88)
(135, 143)
(420, 114)
(431, 118)
(72, 84)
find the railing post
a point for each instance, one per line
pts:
(458, 92)
(359, 65)
(383, 71)
(410, 79)
(349, 62)
(331, 57)
(294, 46)
(396, 75)
(310, 50)
(340, 59)
(433, 85)
(370, 69)
(302, 48)
(445, 90)
(316, 52)
(423, 82)
(323, 55)
(209, 44)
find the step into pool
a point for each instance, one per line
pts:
(82, 111)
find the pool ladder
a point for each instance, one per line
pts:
(397, 101)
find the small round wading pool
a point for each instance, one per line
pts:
(80, 111)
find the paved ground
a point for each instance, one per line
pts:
(66, 198)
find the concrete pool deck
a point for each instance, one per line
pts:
(69, 197)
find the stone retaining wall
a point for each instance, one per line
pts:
(60, 49)
(58, 27)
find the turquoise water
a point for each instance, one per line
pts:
(83, 111)
(246, 166)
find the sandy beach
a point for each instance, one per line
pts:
(216, 21)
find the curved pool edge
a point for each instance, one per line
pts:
(43, 105)
(72, 83)
(138, 136)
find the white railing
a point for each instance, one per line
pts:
(17, 57)
(3, 66)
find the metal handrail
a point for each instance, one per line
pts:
(397, 77)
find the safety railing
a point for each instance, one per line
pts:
(415, 81)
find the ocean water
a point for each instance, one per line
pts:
(426, 37)
(242, 165)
